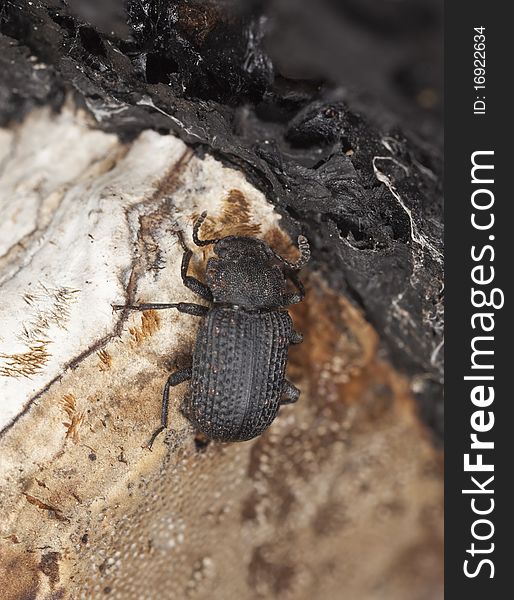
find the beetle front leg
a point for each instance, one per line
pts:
(186, 307)
(192, 283)
(295, 297)
(290, 393)
(173, 379)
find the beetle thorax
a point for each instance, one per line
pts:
(245, 275)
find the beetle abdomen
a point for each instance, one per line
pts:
(238, 372)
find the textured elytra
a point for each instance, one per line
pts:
(238, 372)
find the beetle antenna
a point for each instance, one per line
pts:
(305, 254)
(196, 228)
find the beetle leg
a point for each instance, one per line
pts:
(295, 297)
(296, 337)
(173, 379)
(290, 393)
(192, 283)
(186, 307)
(193, 309)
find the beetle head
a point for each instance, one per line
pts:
(245, 273)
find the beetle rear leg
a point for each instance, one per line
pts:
(186, 307)
(290, 393)
(173, 379)
(192, 283)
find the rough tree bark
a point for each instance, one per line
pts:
(116, 135)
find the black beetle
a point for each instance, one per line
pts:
(238, 373)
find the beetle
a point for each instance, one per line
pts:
(238, 369)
